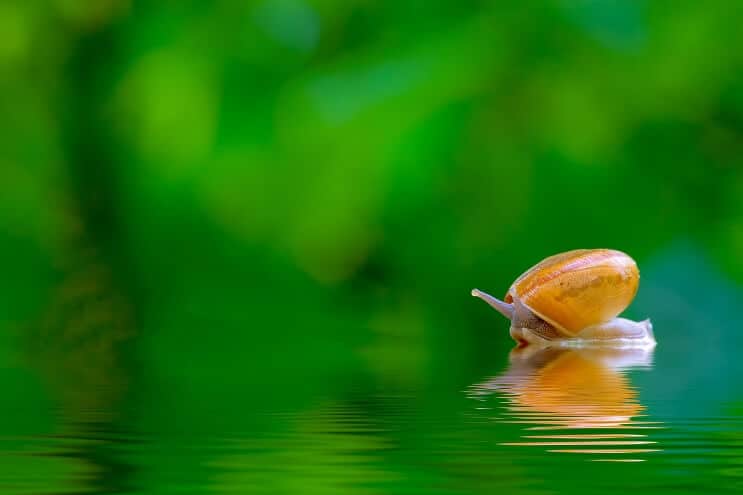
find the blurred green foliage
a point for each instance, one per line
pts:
(287, 178)
(292, 198)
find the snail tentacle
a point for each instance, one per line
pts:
(503, 308)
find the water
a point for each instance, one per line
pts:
(548, 421)
(85, 411)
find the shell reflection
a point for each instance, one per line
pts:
(575, 400)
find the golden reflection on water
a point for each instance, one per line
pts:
(568, 391)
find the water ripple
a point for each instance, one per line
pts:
(574, 390)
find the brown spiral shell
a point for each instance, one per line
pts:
(578, 289)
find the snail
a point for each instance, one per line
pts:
(574, 298)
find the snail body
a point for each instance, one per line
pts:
(575, 298)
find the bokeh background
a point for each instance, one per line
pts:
(213, 209)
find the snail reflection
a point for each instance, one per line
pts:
(575, 400)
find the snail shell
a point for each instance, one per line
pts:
(574, 295)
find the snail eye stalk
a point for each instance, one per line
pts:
(502, 307)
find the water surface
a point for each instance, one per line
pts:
(88, 411)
